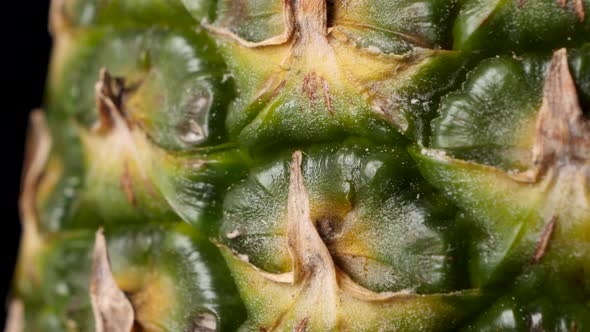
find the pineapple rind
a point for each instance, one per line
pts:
(534, 223)
(131, 13)
(169, 272)
(383, 228)
(173, 78)
(203, 121)
(504, 26)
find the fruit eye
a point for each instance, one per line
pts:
(365, 214)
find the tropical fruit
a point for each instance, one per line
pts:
(309, 165)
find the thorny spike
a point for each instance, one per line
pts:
(36, 155)
(562, 133)
(104, 102)
(545, 239)
(109, 101)
(57, 19)
(305, 244)
(578, 6)
(15, 321)
(112, 310)
(312, 17)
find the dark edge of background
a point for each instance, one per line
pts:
(25, 47)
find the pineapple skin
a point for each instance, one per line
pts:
(309, 165)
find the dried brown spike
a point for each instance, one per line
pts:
(127, 184)
(562, 133)
(36, 155)
(311, 17)
(301, 326)
(112, 310)
(15, 321)
(545, 238)
(104, 102)
(579, 9)
(37, 150)
(109, 94)
(57, 17)
(298, 215)
(307, 249)
(578, 6)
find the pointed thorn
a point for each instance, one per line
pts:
(545, 239)
(104, 102)
(37, 152)
(579, 9)
(127, 184)
(109, 94)
(301, 326)
(562, 134)
(57, 18)
(112, 310)
(298, 214)
(15, 321)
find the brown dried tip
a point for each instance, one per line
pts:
(37, 151)
(127, 184)
(307, 249)
(301, 326)
(578, 6)
(109, 93)
(545, 239)
(311, 17)
(57, 17)
(15, 321)
(112, 310)
(562, 133)
(303, 20)
(579, 9)
(104, 102)
(312, 261)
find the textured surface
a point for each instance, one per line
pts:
(309, 165)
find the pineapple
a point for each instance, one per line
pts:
(309, 165)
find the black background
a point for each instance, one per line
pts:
(25, 47)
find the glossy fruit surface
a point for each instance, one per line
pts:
(309, 165)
